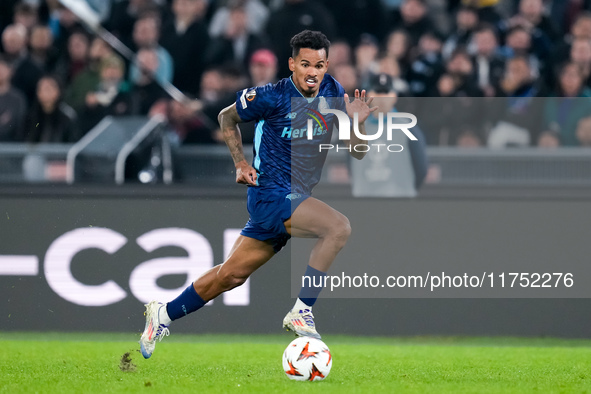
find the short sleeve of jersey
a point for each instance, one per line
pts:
(256, 103)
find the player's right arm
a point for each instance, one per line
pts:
(229, 119)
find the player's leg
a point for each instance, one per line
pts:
(315, 219)
(246, 256)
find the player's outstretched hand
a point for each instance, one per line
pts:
(360, 105)
(245, 173)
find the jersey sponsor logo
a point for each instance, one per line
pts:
(293, 196)
(251, 94)
(320, 128)
(292, 133)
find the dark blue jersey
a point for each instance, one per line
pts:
(283, 155)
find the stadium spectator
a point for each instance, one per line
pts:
(412, 17)
(212, 86)
(584, 132)
(236, 44)
(262, 68)
(125, 13)
(461, 68)
(519, 42)
(489, 64)
(26, 73)
(566, 106)
(561, 12)
(340, 53)
(146, 33)
(257, 15)
(518, 80)
(87, 80)
(75, 60)
(466, 23)
(580, 54)
(145, 91)
(42, 51)
(581, 28)
(110, 97)
(25, 14)
(233, 80)
(13, 105)
(50, 119)
(397, 46)
(64, 24)
(291, 18)
(428, 66)
(346, 74)
(447, 125)
(519, 121)
(185, 38)
(227, 80)
(366, 52)
(389, 65)
(531, 17)
(454, 117)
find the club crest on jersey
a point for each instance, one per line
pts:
(251, 94)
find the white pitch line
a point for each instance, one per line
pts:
(19, 265)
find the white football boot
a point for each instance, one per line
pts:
(154, 330)
(301, 322)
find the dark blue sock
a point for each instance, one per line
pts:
(312, 286)
(189, 301)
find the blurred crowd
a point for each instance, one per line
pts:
(476, 72)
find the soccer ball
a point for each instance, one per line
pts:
(307, 358)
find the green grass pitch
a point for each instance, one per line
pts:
(90, 363)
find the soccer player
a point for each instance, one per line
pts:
(286, 166)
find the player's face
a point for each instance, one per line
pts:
(308, 69)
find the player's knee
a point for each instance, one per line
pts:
(230, 279)
(341, 230)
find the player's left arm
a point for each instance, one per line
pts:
(360, 106)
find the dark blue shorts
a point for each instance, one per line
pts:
(268, 209)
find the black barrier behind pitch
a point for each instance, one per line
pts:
(87, 264)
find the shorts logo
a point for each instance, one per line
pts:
(251, 95)
(293, 196)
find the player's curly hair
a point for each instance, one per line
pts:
(309, 39)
